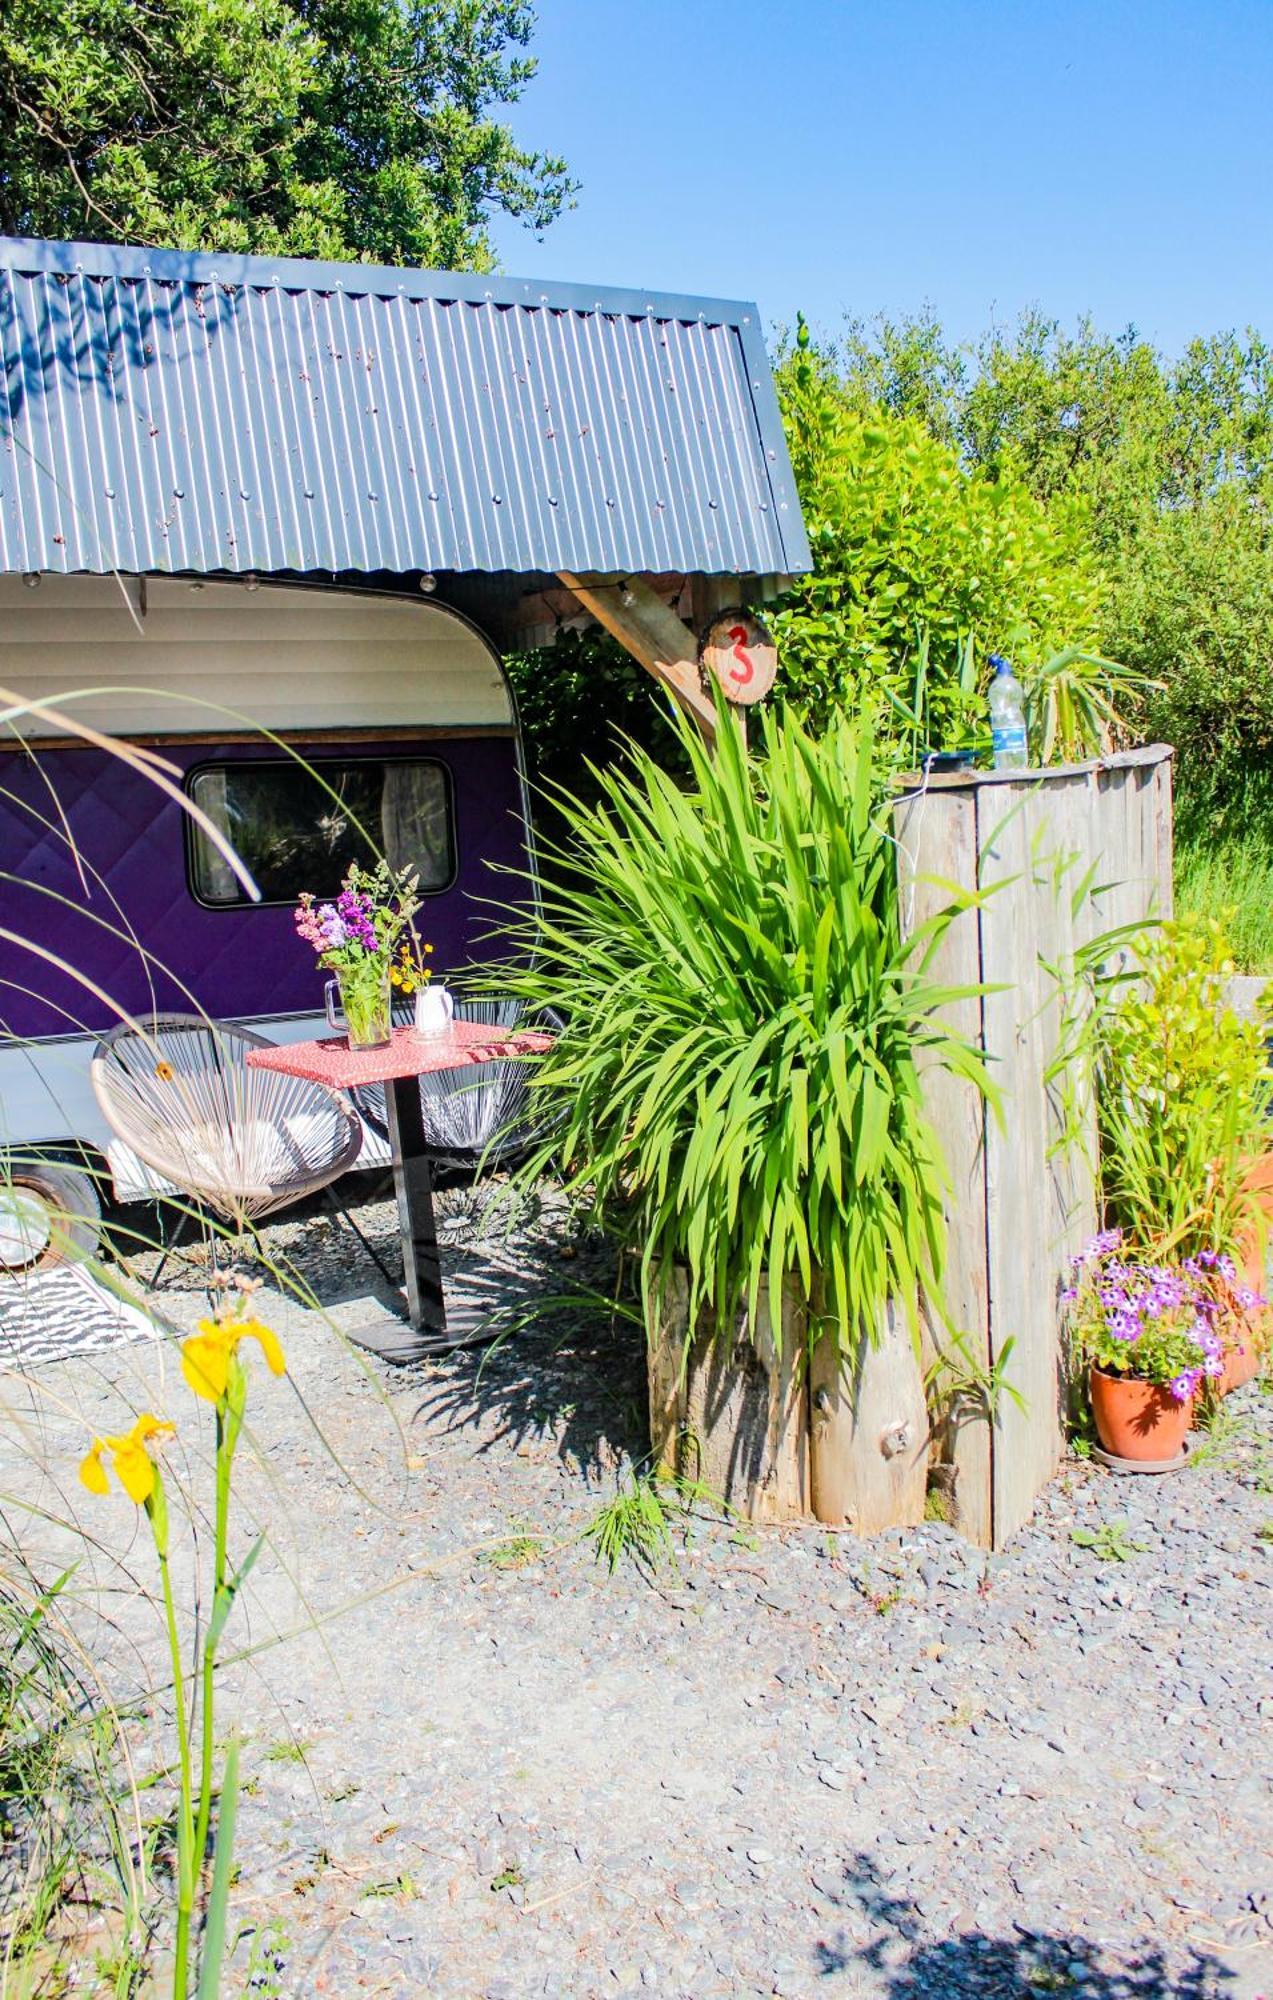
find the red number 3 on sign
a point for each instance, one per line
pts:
(744, 671)
(739, 651)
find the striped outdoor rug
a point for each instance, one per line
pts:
(58, 1314)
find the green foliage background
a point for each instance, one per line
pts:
(1171, 465)
(320, 128)
(911, 549)
(1039, 488)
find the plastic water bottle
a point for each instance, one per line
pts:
(1007, 718)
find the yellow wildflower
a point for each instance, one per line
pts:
(207, 1355)
(134, 1466)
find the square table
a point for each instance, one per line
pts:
(399, 1065)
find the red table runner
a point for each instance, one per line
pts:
(333, 1062)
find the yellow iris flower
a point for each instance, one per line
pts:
(206, 1356)
(134, 1466)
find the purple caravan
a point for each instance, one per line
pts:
(271, 522)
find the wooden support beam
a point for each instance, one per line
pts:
(646, 627)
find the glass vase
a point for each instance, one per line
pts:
(364, 1005)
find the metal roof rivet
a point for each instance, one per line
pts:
(713, 504)
(243, 495)
(498, 498)
(178, 492)
(552, 499)
(433, 496)
(373, 496)
(309, 492)
(109, 491)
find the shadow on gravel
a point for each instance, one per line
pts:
(901, 1963)
(568, 1372)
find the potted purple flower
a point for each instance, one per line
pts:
(1151, 1334)
(366, 938)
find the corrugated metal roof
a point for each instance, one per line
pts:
(164, 410)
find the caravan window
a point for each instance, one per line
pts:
(298, 827)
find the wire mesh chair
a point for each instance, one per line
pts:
(472, 1114)
(242, 1142)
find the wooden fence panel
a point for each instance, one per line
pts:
(1060, 858)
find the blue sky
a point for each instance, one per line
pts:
(843, 157)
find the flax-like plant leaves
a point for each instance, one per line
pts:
(738, 1077)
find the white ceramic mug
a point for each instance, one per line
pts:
(434, 1009)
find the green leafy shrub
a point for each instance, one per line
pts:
(1194, 608)
(738, 1080)
(1171, 461)
(578, 701)
(1182, 1091)
(907, 542)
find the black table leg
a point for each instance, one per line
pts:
(425, 1331)
(417, 1226)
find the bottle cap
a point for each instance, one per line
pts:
(1000, 665)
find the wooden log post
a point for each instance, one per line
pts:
(733, 1413)
(868, 1431)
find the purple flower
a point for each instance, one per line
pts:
(1183, 1385)
(1125, 1326)
(1247, 1298)
(1226, 1268)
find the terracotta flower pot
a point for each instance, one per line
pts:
(1138, 1419)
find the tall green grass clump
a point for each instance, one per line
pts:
(69, 1817)
(1224, 865)
(738, 1080)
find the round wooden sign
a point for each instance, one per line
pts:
(738, 649)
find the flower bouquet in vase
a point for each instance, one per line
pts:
(366, 939)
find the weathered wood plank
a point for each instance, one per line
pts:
(937, 842)
(1026, 1444)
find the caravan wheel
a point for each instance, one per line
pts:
(48, 1215)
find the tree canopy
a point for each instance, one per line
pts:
(321, 128)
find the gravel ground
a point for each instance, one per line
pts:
(787, 1763)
